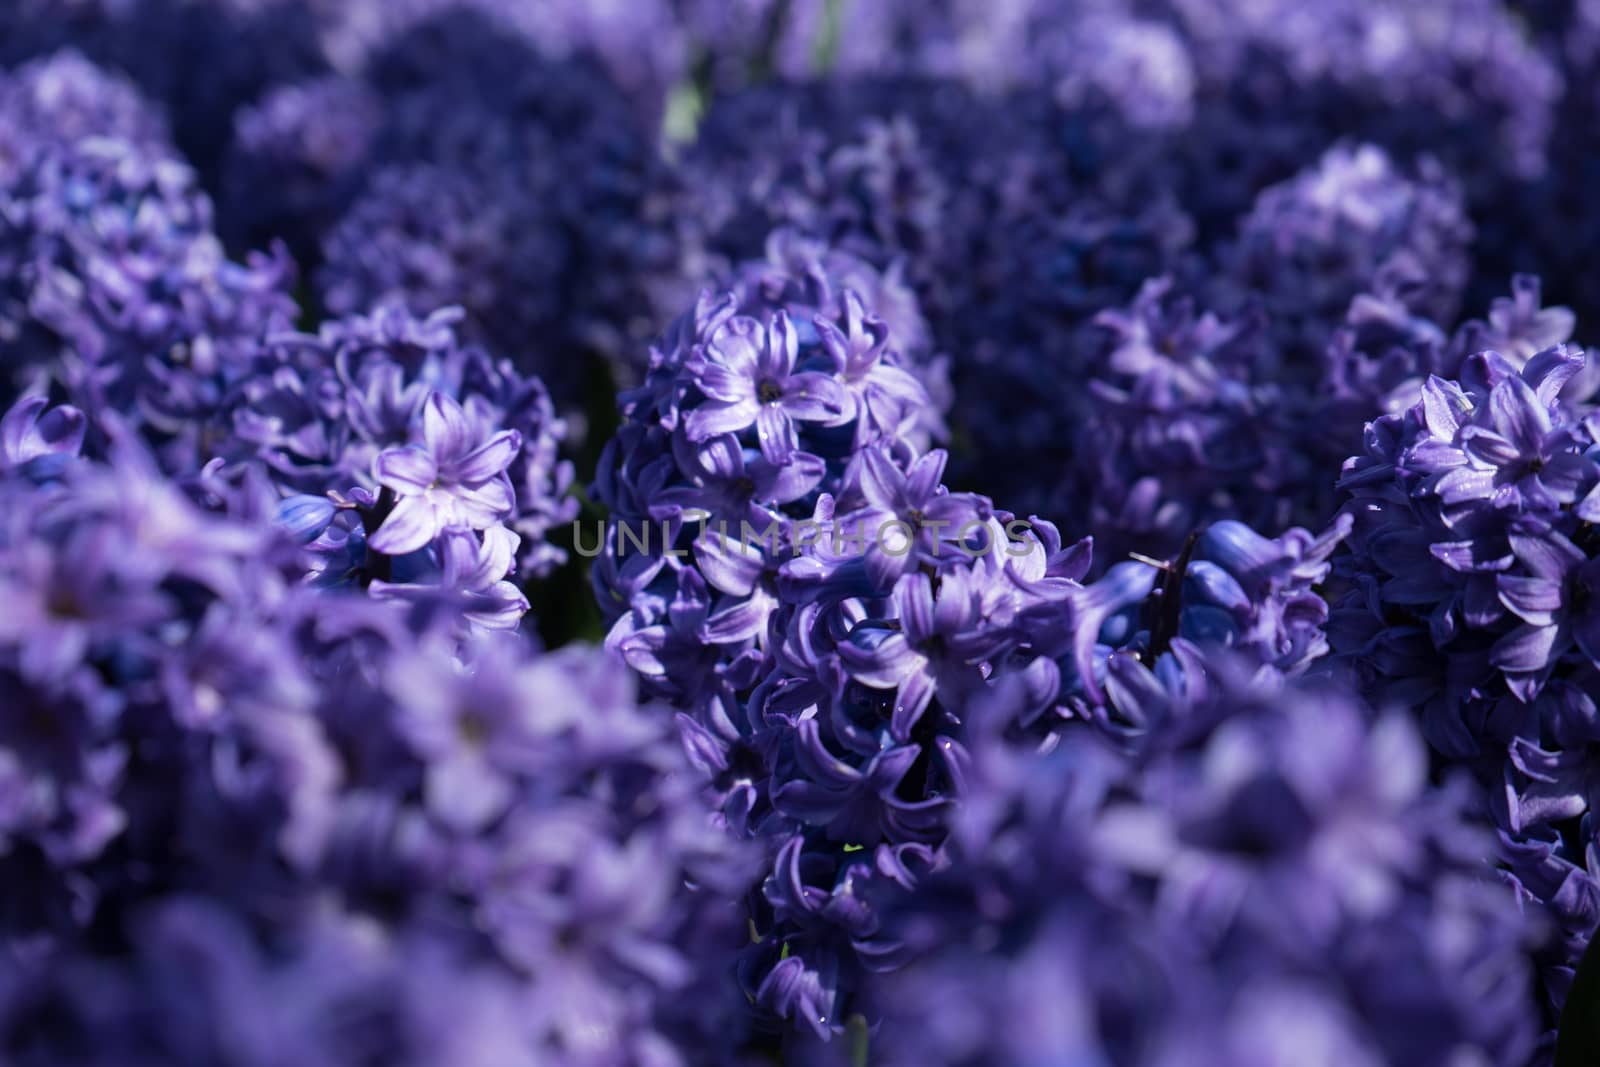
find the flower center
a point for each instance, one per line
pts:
(769, 392)
(473, 729)
(64, 604)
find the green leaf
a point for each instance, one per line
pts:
(825, 49)
(856, 1032)
(685, 106)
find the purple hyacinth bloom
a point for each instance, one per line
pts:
(1185, 420)
(748, 373)
(474, 570)
(296, 159)
(691, 458)
(675, 650)
(456, 476)
(29, 432)
(113, 284)
(853, 804)
(1469, 584)
(915, 502)
(1261, 594)
(827, 707)
(1354, 223)
(315, 414)
(64, 98)
(727, 486)
(484, 815)
(934, 650)
(1550, 598)
(856, 345)
(1271, 870)
(474, 732)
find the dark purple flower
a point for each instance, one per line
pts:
(1467, 593)
(113, 284)
(64, 98)
(28, 432)
(925, 516)
(1271, 871)
(296, 159)
(1353, 223)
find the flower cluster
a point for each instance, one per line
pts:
(404, 461)
(1266, 877)
(1469, 594)
(64, 98)
(113, 284)
(260, 787)
(757, 400)
(440, 174)
(1350, 225)
(1187, 416)
(1184, 421)
(784, 566)
(798, 532)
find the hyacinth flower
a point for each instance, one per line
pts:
(1211, 418)
(747, 625)
(746, 416)
(474, 568)
(726, 487)
(403, 460)
(1378, 360)
(62, 98)
(116, 286)
(455, 477)
(848, 753)
(747, 373)
(170, 689)
(916, 501)
(1466, 588)
(1270, 869)
(933, 649)
(1354, 223)
(676, 651)
(33, 437)
(1184, 422)
(93, 562)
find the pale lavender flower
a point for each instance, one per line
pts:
(454, 477)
